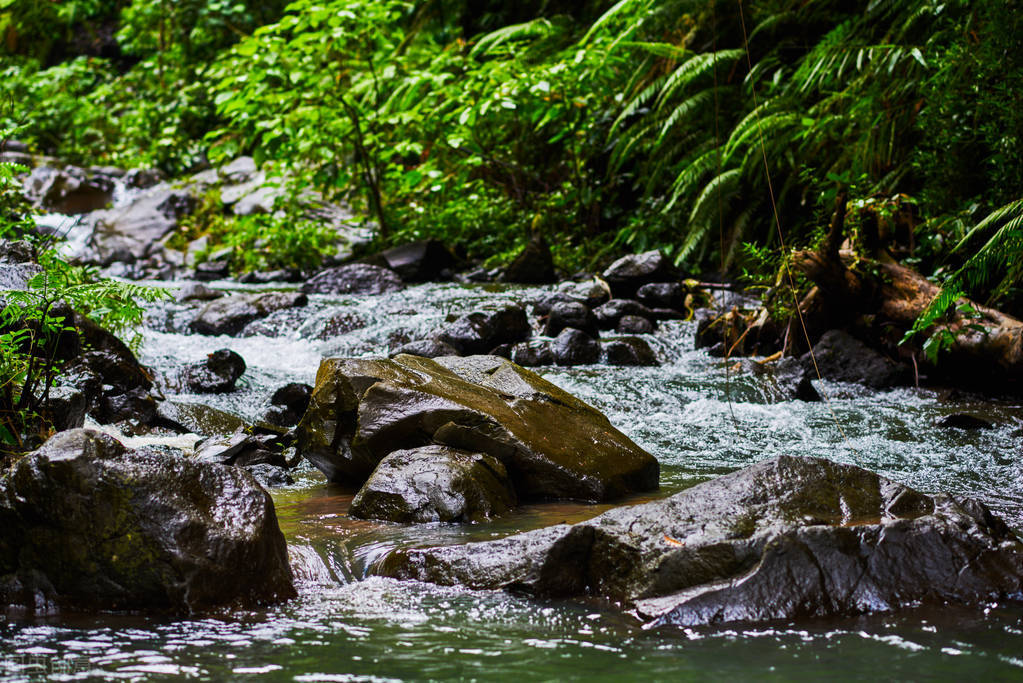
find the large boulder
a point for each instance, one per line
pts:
(133, 232)
(841, 357)
(784, 539)
(482, 331)
(354, 278)
(89, 525)
(534, 265)
(552, 444)
(419, 261)
(70, 190)
(229, 315)
(629, 273)
(435, 484)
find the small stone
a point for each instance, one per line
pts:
(575, 347)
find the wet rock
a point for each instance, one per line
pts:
(17, 251)
(787, 538)
(963, 421)
(197, 291)
(238, 170)
(65, 407)
(198, 418)
(634, 324)
(333, 325)
(230, 314)
(570, 314)
(420, 261)
(70, 190)
(294, 396)
(662, 295)
(435, 484)
(629, 273)
(288, 404)
(134, 231)
(790, 379)
(629, 351)
(17, 275)
(240, 450)
(216, 374)
(427, 348)
(609, 314)
(575, 347)
(534, 265)
(116, 386)
(843, 358)
(532, 353)
(270, 476)
(115, 529)
(363, 410)
(354, 278)
(208, 271)
(480, 331)
(143, 178)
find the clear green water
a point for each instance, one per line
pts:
(345, 626)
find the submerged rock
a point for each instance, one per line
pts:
(93, 526)
(354, 278)
(435, 484)
(552, 444)
(783, 539)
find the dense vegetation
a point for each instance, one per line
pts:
(712, 130)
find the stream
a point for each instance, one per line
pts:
(699, 416)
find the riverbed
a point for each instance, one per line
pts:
(700, 416)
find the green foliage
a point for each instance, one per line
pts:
(35, 323)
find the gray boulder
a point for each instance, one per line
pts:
(427, 348)
(552, 444)
(419, 261)
(354, 278)
(229, 315)
(93, 526)
(133, 232)
(843, 358)
(70, 190)
(784, 539)
(435, 484)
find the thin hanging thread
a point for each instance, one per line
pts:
(781, 237)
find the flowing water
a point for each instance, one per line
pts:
(699, 416)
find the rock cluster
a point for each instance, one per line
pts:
(786, 538)
(482, 408)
